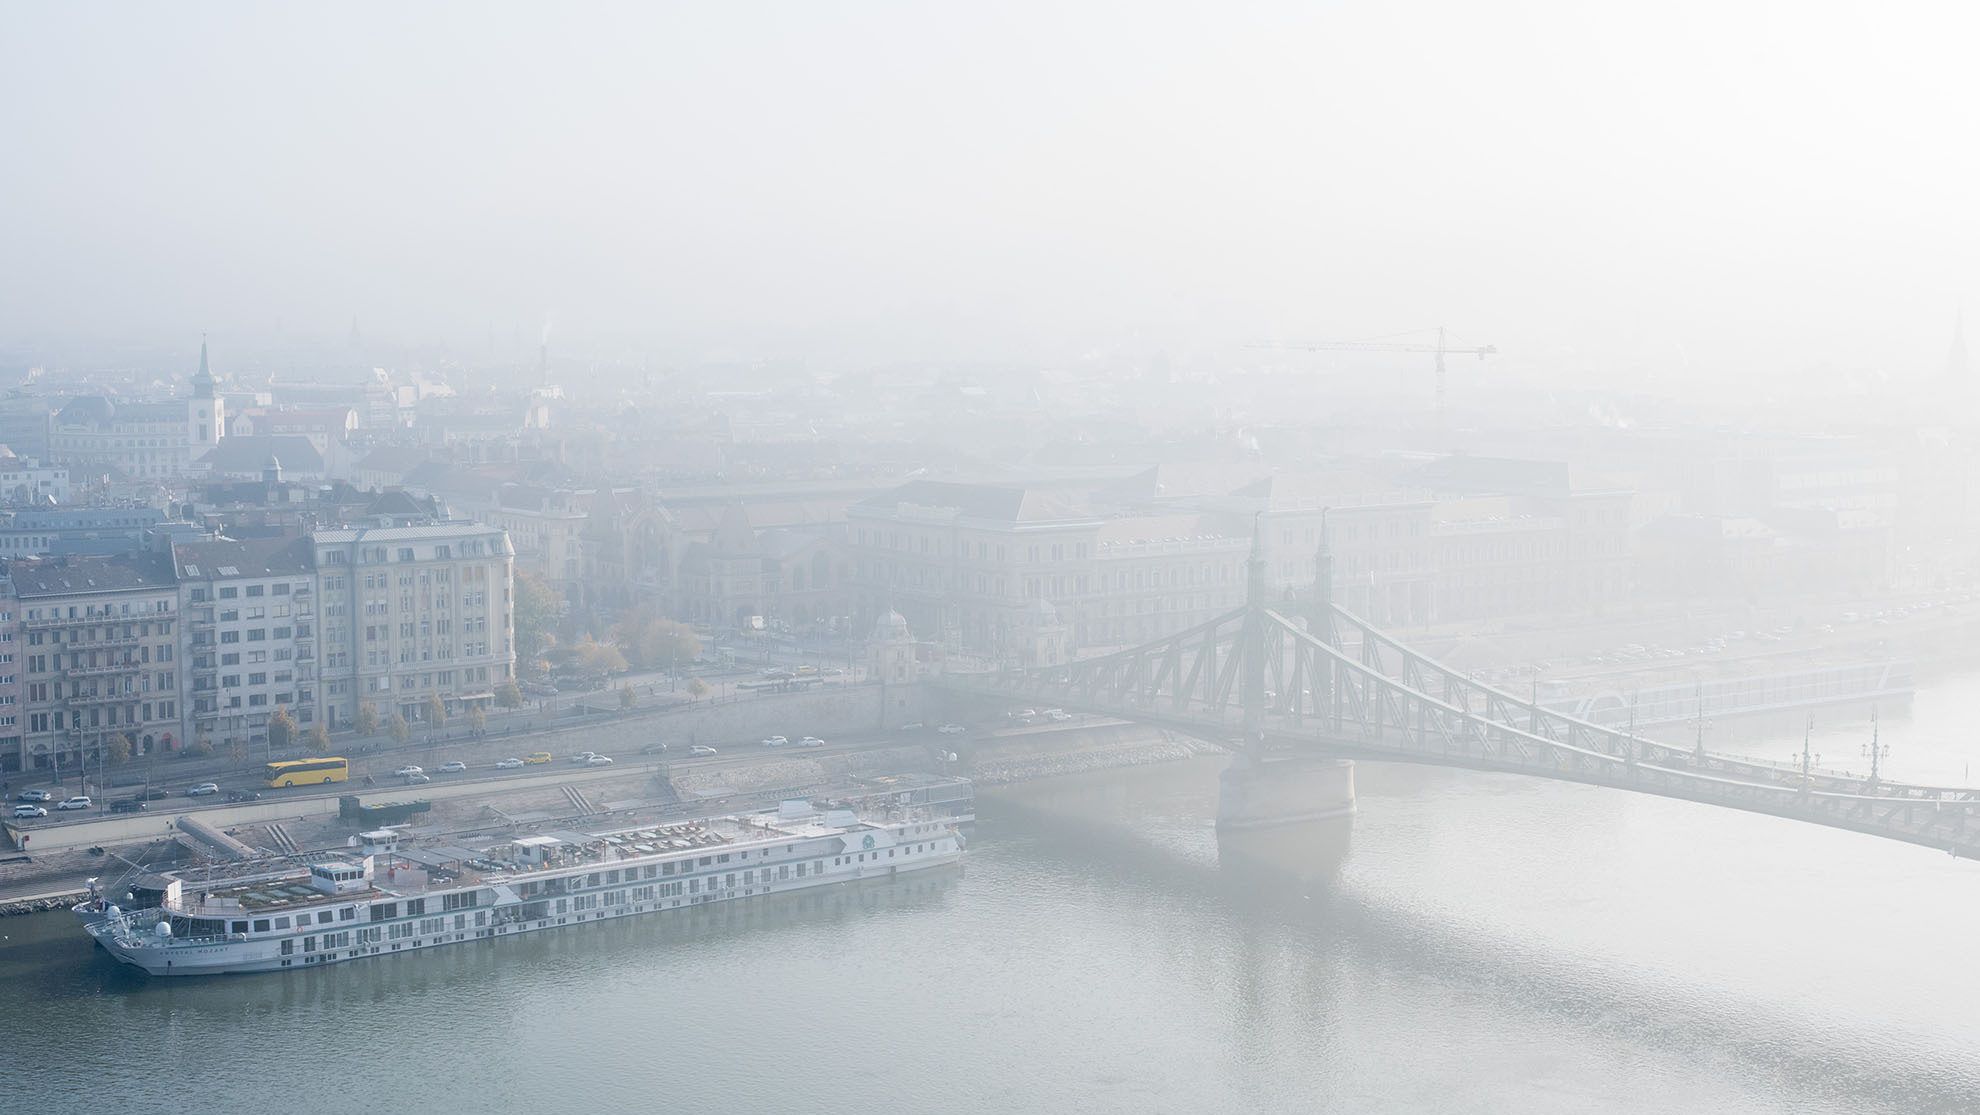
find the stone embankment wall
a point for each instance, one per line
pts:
(1045, 752)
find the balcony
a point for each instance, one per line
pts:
(99, 671)
(117, 643)
(103, 698)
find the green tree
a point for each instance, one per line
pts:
(202, 745)
(367, 719)
(436, 712)
(401, 731)
(627, 698)
(237, 751)
(509, 695)
(536, 610)
(118, 747)
(281, 729)
(319, 739)
(697, 688)
(477, 719)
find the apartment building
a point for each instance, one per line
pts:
(411, 613)
(98, 655)
(248, 610)
(962, 563)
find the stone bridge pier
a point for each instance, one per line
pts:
(1259, 793)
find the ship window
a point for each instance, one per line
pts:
(818, 868)
(323, 917)
(800, 871)
(261, 925)
(707, 860)
(238, 927)
(348, 913)
(281, 923)
(723, 858)
(666, 869)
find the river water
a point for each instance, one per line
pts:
(1466, 943)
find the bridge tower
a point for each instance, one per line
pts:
(1257, 792)
(1251, 651)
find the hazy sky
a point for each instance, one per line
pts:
(1598, 188)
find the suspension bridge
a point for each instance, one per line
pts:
(1309, 681)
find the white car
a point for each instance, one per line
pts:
(1057, 715)
(775, 741)
(582, 757)
(202, 790)
(508, 764)
(599, 761)
(25, 810)
(454, 767)
(952, 729)
(701, 750)
(416, 779)
(34, 795)
(409, 771)
(80, 801)
(811, 741)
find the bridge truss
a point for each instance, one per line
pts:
(1332, 685)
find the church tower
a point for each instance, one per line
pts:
(205, 411)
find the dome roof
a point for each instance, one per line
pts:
(891, 626)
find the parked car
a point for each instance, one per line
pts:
(80, 801)
(654, 748)
(539, 689)
(1057, 715)
(27, 810)
(153, 793)
(409, 771)
(536, 757)
(910, 726)
(418, 779)
(599, 761)
(582, 758)
(129, 805)
(775, 741)
(811, 741)
(701, 749)
(453, 767)
(952, 729)
(243, 795)
(203, 790)
(34, 795)
(508, 764)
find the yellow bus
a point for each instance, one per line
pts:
(307, 772)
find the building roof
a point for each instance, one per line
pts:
(991, 503)
(251, 453)
(406, 534)
(77, 574)
(395, 459)
(254, 557)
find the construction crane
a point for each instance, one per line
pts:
(1441, 348)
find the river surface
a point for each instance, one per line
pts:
(1466, 943)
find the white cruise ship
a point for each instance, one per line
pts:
(385, 899)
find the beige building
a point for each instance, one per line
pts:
(98, 655)
(412, 613)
